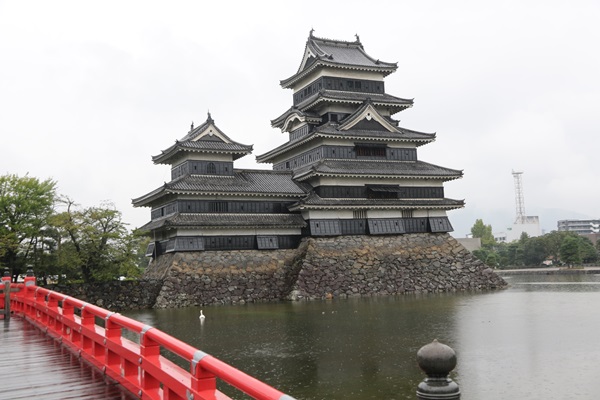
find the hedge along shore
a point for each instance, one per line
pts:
(321, 268)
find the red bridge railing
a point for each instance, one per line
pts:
(96, 335)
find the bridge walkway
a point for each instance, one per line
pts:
(35, 366)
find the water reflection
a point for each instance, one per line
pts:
(506, 341)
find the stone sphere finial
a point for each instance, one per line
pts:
(437, 360)
(29, 271)
(6, 271)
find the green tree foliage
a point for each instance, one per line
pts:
(533, 250)
(553, 241)
(588, 252)
(570, 252)
(484, 232)
(95, 243)
(493, 259)
(26, 203)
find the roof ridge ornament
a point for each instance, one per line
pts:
(209, 119)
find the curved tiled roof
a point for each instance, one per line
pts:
(243, 182)
(227, 221)
(315, 201)
(332, 131)
(379, 99)
(279, 121)
(381, 169)
(218, 142)
(337, 54)
(237, 150)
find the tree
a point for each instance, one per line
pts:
(26, 203)
(484, 232)
(569, 251)
(587, 250)
(493, 260)
(95, 242)
(534, 250)
(553, 241)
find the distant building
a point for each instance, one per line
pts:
(347, 168)
(529, 225)
(580, 226)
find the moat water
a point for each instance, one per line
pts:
(538, 339)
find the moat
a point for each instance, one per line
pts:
(536, 339)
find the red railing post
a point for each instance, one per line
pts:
(68, 320)
(149, 353)
(30, 279)
(112, 333)
(203, 381)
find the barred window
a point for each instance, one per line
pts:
(211, 168)
(359, 214)
(363, 150)
(217, 206)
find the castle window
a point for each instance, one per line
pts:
(407, 213)
(360, 214)
(217, 206)
(211, 168)
(370, 150)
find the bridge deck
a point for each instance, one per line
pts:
(34, 366)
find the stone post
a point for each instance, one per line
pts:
(437, 360)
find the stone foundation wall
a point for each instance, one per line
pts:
(385, 265)
(322, 268)
(224, 277)
(116, 295)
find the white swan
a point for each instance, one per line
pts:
(201, 316)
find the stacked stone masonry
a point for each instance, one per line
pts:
(116, 295)
(322, 268)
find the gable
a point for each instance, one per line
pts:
(211, 133)
(367, 116)
(368, 125)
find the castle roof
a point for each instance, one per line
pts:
(243, 183)
(331, 131)
(376, 169)
(226, 221)
(337, 96)
(314, 201)
(321, 52)
(206, 138)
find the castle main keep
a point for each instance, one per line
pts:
(348, 169)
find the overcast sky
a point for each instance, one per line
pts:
(90, 90)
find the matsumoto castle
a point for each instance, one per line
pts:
(347, 168)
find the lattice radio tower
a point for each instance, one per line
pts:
(519, 198)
